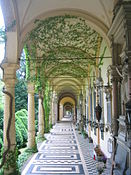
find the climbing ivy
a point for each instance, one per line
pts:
(60, 46)
(57, 42)
(11, 159)
(101, 57)
(47, 106)
(27, 62)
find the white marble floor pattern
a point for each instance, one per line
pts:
(60, 154)
(87, 151)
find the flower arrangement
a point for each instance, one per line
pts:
(100, 156)
(85, 135)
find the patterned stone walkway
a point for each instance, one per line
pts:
(87, 151)
(60, 154)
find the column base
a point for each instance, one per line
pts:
(10, 171)
(40, 137)
(10, 165)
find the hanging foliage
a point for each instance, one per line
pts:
(27, 62)
(101, 57)
(60, 41)
(47, 106)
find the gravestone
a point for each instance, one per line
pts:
(123, 151)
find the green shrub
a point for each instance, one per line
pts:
(1, 142)
(19, 137)
(23, 115)
(46, 103)
(24, 156)
(21, 127)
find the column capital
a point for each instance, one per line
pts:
(116, 73)
(108, 92)
(31, 88)
(9, 70)
(126, 62)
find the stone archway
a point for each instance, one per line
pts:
(61, 106)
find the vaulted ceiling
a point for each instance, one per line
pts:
(63, 37)
(63, 47)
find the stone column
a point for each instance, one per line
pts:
(56, 109)
(78, 112)
(89, 111)
(51, 110)
(129, 78)
(50, 120)
(99, 85)
(31, 116)
(115, 111)
(116, 79)
(41, 117)
(53, 115)
(9, 114)
(74, 114)
(10, 88)
(61, 114)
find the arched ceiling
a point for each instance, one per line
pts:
(99, 13)
(68, 85)
(68, 106)
(63, 46)
(67, 100)
(64, 85)
(28, 10)
(62, 39)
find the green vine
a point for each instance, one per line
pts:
(27, 62)
(57, 42)
(47, 107)
(11, 159)
(101, 57)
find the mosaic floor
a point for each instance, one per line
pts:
(87, 151)
(60, 154)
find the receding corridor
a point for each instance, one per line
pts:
(65, 93)
(59, 154)
(63, 153)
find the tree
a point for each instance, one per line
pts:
(20, 95)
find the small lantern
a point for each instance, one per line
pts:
(98, 111)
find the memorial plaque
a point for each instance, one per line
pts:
(109, 145)
(120, 160)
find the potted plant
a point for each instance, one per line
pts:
(90, 140)
(85, 135)
(100, 169)
(99, 154)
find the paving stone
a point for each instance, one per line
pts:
(87, 151)
(65, 152)
(58, 155)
